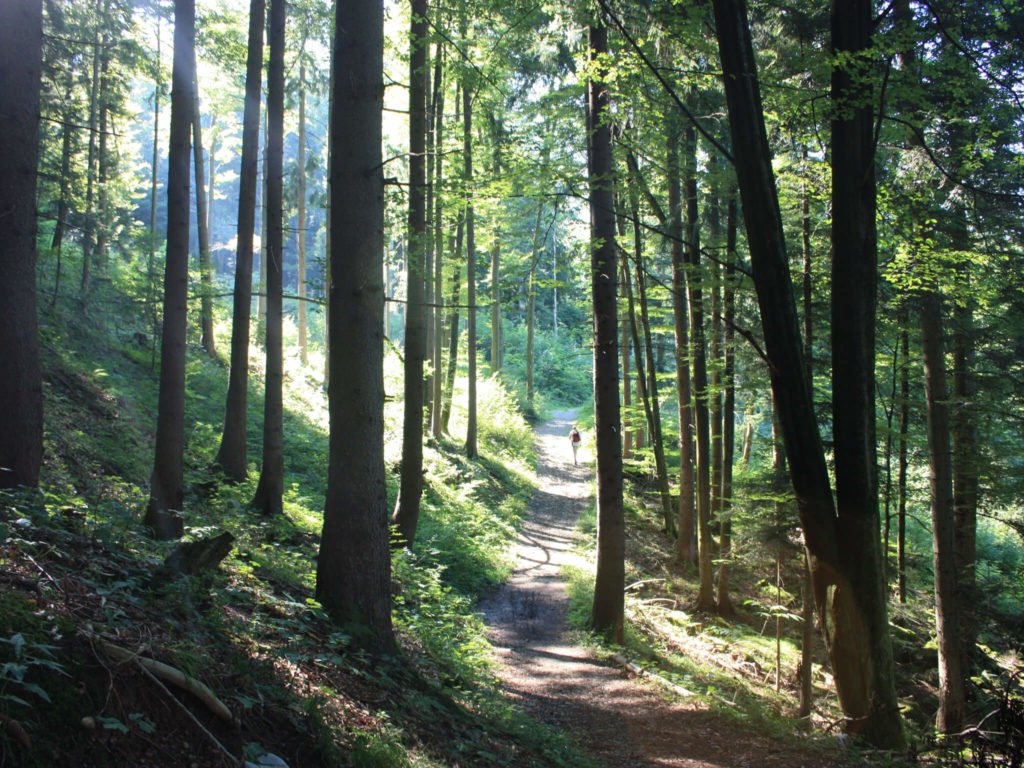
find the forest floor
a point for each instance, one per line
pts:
(618, 719)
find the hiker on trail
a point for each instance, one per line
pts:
(574, 438)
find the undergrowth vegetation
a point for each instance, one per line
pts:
(747, 667)
(87, 603)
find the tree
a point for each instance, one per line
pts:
(847, 603)
(651, 401)
(698, 360)
(232, 453)
(270, 490)
(607, 613)
(353, 578)
(531, 304)
(166, 483)
(300, 174)
(950, 716)
(89, 228)
(407, 507)
(723, 603)
(685, 548)
(855, 281)
(203, 225)
(21, 385)
(467, 153)
(435, 140)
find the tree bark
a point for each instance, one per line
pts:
(950, 717)
(261, 294)
(904, 461)
(89, 225)
(858, 640)
(57, 243)
(300, 173)
(854, 281)
(695, 296)
(269, 497)
(531, 303)
(202, 224)
(232, 453)
(723, 603)
(634, 334)
(627, 395)
(966, 457)
(686, 550)
(436, 137)
(21, 385)
(453, 326)
(607, 615)
(353, 580)
(166, 483)
(467, 153)
(654, 406)
(497, 344)
(407, 507)
(154, 169)
(103, 150)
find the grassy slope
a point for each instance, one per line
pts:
(729, 665)
(77, 572)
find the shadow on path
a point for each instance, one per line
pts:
(619, 722)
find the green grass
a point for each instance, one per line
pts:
(257, 612)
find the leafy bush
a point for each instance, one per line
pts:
(562, 365)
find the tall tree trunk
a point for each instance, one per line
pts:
(806, 672)
(554, 276)
(386, 272)
(65, 172)
(353, 578)
(607, 616)
(854, 281)
(496, 340)
(407, 508)
(686, 549)
(327, 233)
(695, 295)
(57, 243)
(437, 104)
(103, 150)
(269, 497)
(850, 599)
(723, 603)
(634, 331)
(89, 228)
(950, 716)
(531, 303)
(904, 461)
(166, 483)
(657, 443)
(21, 385)
(966, 459)
(714, 347)
(453, 326)
(154, 169)
(261, 297)
(211, 179)
(627, 395)
(202, 221)
(300, 173)
(467, 153)
(232, 453)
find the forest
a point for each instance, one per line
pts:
(300, 300)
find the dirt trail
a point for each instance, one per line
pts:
(619, 721)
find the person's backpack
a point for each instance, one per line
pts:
(574, 435)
